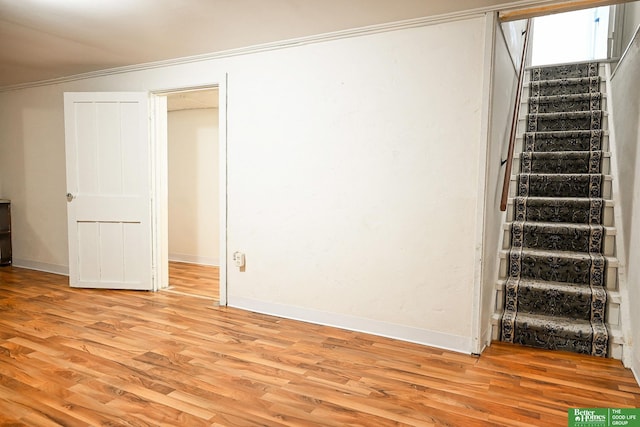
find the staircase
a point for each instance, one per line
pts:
(558, 270)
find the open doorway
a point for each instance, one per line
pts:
(582, 35)
(193, 186)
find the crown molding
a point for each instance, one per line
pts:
(291, 43)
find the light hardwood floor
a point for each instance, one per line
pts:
(76, 357)
(194, 279)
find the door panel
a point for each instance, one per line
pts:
(108, 175)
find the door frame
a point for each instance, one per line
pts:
(159, 173)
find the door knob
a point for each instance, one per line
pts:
(69, 197)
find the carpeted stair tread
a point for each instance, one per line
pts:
(561, 321)
(561, 103)
(567, 114)
(557, 266)
(568, 86)
(563, 71)
(565, 81)
(551, 298)
(557, 227)
(571, 140)
(560, 185)
(561, 162)
(549, 253)
(551, 99)
(559, 333)
(559, 209)
(557, 236)
(550, 285)
(564, 121)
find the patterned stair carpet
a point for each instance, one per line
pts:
(555, 295)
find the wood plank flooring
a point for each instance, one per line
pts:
(194, 279)
(74, 357)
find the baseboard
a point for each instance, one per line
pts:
(41, 266)
(485, 337)
(194, 259)
(429, 338)
(635, 369)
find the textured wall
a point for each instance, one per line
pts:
(507, 53)
(194, 214)
(631, 22)
(353, 172)
(626, 104)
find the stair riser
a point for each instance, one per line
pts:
(526, 90)
(561, 189)
(561, 126)
(611, 268)
(554, 165)
(567, 144)
(555, 107)
(554, 185)
(547, 302)
(560, 122)
(561, 89)
(557, 268)
(608, 242)
(559, 214)
(545, 105)
(544, 338)
(613, 304)
(578, 242)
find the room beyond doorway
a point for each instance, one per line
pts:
(193, 192)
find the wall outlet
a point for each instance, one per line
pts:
(238, 258)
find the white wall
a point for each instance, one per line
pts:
(507, 54)
(194, 218)
(32, 160)
(353, 171)
(626, 105)
(513, 36)
(367, 203)
(631, 22)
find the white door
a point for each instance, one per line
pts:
(108, 186)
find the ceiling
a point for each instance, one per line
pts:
(48, 39)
